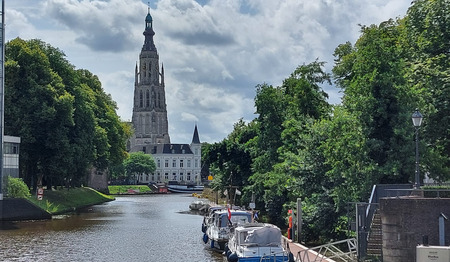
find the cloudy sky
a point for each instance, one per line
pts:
(214, 51)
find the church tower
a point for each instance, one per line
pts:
(175, 163)
(149, 107)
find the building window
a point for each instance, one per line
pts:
(181, 162)
(158, 177)
(166, 163)
(159, 162)
(141, 99)
(153, 177)
(174, 176)
(181, 176)
(196, 162)
(188, 176)
(11, 148)
(147, 99)
(188, 163)
(166, 176)
(174, 163)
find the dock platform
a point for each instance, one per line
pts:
(297, 247)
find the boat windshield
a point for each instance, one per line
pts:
(236, 219)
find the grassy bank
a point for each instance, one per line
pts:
(67, 200)
(129, 189)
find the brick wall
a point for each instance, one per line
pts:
(405, 220)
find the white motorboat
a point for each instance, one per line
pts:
(219, 223)
(256, 242)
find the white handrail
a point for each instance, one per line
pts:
(329, 251)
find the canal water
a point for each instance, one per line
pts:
(131, 228)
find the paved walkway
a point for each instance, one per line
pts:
(311, 255)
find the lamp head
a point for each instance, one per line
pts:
(417, 118)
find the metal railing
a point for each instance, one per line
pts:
(275, 257)
(329, 251)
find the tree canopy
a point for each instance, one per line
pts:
(137, 164)
(67, 123)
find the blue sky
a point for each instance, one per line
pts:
(214, 51)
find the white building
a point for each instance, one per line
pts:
(174, 162)
(11, 146)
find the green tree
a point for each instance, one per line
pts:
(39, 110)
(371, 75)
(427, 41)
(230, 161)
(284, 115)
(66, 122)
(137, 164)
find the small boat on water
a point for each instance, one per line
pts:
(255, 242)
(218, 225)
(175, 187)
(199, 205)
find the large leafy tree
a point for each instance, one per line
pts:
(38, 109)
(427, 42)
(230, 161)
(371, 75)
(284, 114)
(66, 122)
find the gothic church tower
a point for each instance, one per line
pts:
(149, 108)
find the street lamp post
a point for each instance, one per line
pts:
(417, 121)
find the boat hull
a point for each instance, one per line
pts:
(259, 259)
(184, 189)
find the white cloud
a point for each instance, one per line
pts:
(214, 52)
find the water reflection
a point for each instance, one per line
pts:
(135, 228)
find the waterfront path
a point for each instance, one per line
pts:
(312, 255)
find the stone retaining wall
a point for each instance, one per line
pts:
(405, 220)
(14, 209)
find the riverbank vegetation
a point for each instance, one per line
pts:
(128, 189)
(300, 146)
(16, 188)
(68, 200)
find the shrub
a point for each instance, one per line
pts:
(17, 188)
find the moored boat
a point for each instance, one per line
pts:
(255, 242)
(218, 226)
(175, 187)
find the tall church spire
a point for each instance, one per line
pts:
(149, 106)
(149, 45)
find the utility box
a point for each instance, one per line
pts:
(433, 254)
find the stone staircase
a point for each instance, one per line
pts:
(375, 242)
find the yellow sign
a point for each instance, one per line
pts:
(210, 178)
